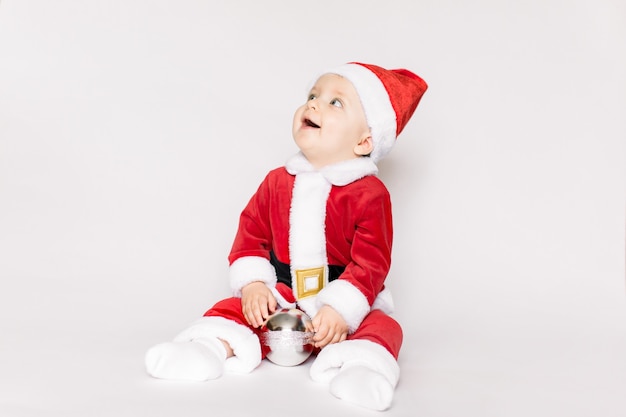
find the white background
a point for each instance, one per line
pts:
(132, 133)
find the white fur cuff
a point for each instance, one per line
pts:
(242, 340)
(347, 300)
(384, 302)
(250, 269)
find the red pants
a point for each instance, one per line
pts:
(377, 326)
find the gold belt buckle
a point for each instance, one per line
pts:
(309, 281)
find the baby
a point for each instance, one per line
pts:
(324, 215)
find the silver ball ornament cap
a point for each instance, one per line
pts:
(288, 334)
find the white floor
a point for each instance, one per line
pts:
(91, 367)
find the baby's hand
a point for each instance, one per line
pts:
(257, 303)
(329, 327)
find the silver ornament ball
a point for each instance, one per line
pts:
(288, 334)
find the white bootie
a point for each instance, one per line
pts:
(197, 353)
(358, 371)
(197, 360)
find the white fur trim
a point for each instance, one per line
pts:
(242, 340)
(379, 111)
(298, 163)
(340, 174)
(250, 269)
(307, 224)
(309, 306)
(282, 302)
(347, 300)
(307, 237)
(356, 352)
(384, 302)
(345, 172)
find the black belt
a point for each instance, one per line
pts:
(283, 271)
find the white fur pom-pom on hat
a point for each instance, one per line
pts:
(388, 97)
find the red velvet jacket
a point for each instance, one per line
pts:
(358, 231)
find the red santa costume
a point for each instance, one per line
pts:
(324, 237)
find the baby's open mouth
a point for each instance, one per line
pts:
(309, 123)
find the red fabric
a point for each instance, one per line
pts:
(286, 292)
(380, 328)
(359, 230)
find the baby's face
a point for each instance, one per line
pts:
(329, 127)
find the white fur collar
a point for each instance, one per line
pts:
(339, 174)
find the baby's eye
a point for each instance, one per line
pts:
(311, 97)
(336, 102)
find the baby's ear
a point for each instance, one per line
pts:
(365, 146)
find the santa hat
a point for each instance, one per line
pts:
(388, 97)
